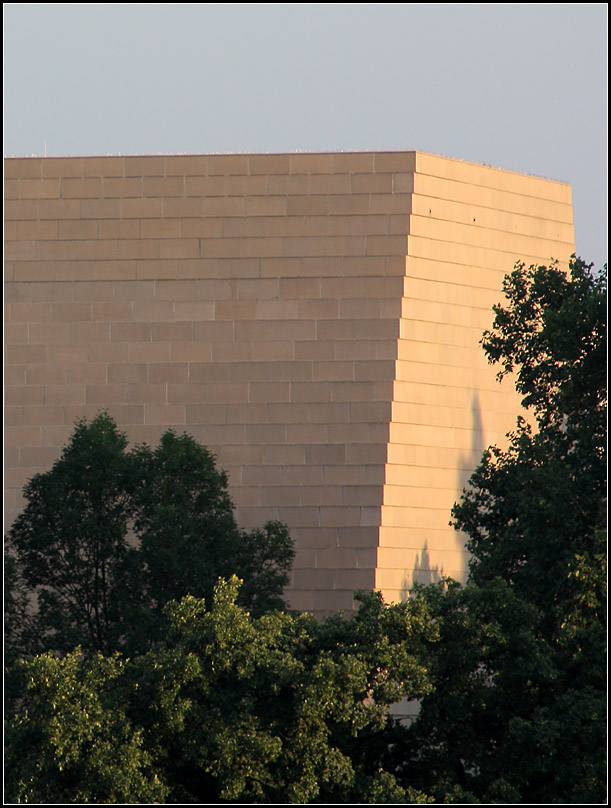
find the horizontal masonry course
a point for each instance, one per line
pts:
(314, 319)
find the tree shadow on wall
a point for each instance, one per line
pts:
(423, 572)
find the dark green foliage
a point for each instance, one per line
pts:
(71, 538)
(71, 740)
(517, 709)
(535, 508)
(181, 510)
(108, 536)
(554, 334)
(230, 708)
(230, 699)
(16, 617)
(514, 716)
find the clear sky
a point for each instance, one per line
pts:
(517, 85)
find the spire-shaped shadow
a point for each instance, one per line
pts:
(467, 462)
(423, 572)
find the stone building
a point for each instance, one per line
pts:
(313, 318)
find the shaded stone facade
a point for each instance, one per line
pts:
(313, 318)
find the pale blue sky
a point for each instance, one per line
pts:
(521, 85)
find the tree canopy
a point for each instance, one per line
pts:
(109, 535)
(166, 680)
(535, 512)
(229, 708)
(517, 708)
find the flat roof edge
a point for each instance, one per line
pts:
(423, 152)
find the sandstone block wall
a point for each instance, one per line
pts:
(313, 318)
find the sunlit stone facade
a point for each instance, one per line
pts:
(313, 318)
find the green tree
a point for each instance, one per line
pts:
(71, 537)
(273, 707)
(71, 740)
(517, 709)
(108, 536)
(229, 708)
(18, 620)
(536, 508)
